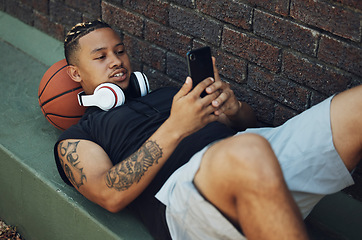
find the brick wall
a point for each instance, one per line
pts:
(281, 56)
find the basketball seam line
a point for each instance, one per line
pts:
(59, 95)
(51, 79)
(58, 115)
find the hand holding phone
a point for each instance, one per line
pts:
(200, 66)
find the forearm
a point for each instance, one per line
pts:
(126, 180)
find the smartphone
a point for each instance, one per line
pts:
(199, 64)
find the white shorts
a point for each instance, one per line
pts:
(311, 166)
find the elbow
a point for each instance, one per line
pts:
(112, 209)
(111, 203)
(113, 206)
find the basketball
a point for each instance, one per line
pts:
(57, 97)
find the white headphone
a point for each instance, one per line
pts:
(109, 95)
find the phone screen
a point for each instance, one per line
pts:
(199, 64)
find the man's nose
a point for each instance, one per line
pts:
(115, 61)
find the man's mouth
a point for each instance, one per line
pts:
(119, 76)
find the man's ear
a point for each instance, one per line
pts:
(73, 73)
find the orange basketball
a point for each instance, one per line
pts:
(57, 97)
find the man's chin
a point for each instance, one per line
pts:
(124, 85)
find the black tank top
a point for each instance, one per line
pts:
(122, 131)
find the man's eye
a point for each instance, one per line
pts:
(120, 52)
(100, 57)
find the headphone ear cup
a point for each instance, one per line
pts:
(106, 96)
(139, 85)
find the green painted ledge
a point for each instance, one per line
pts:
(35, 43)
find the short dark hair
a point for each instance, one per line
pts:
(71, 41)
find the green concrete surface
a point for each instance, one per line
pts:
(32, 195)
(40, 46)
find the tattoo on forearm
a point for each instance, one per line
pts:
(131, 170)
(74, 173)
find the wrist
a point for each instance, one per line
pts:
(173, 131)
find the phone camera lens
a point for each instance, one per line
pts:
(192, 57)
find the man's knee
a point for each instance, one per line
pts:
(247, 157)
(240, 167)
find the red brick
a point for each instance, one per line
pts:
(285, 32)
(262, 105)
(341, 54)
(155, 57)
(145, 52)
(195, 25)
(314, 75)
(157, 10)
(158, 79)
(43, 23)
(278, 88)
(251, 49)
(283, 114)
(337, 20)
(229, 11)
(356, 82)
(114, 2)
(88, 18)
(122, 19)
(134, 46)
(167, 38)
(21, 11)
(29, 3)
(352, 3)
(136, 65)
(317, 98)
(186, 3)
(231, 67)
(277, 6)
(63, 14)
(199, 44)
(88, 7)
(39, 5)
(176, 67)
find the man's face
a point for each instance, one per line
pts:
(102, 58)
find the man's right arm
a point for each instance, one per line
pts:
(90, 170)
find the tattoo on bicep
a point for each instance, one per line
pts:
(70, 163)
(130, 171)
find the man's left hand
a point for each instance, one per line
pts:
(226, 102)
